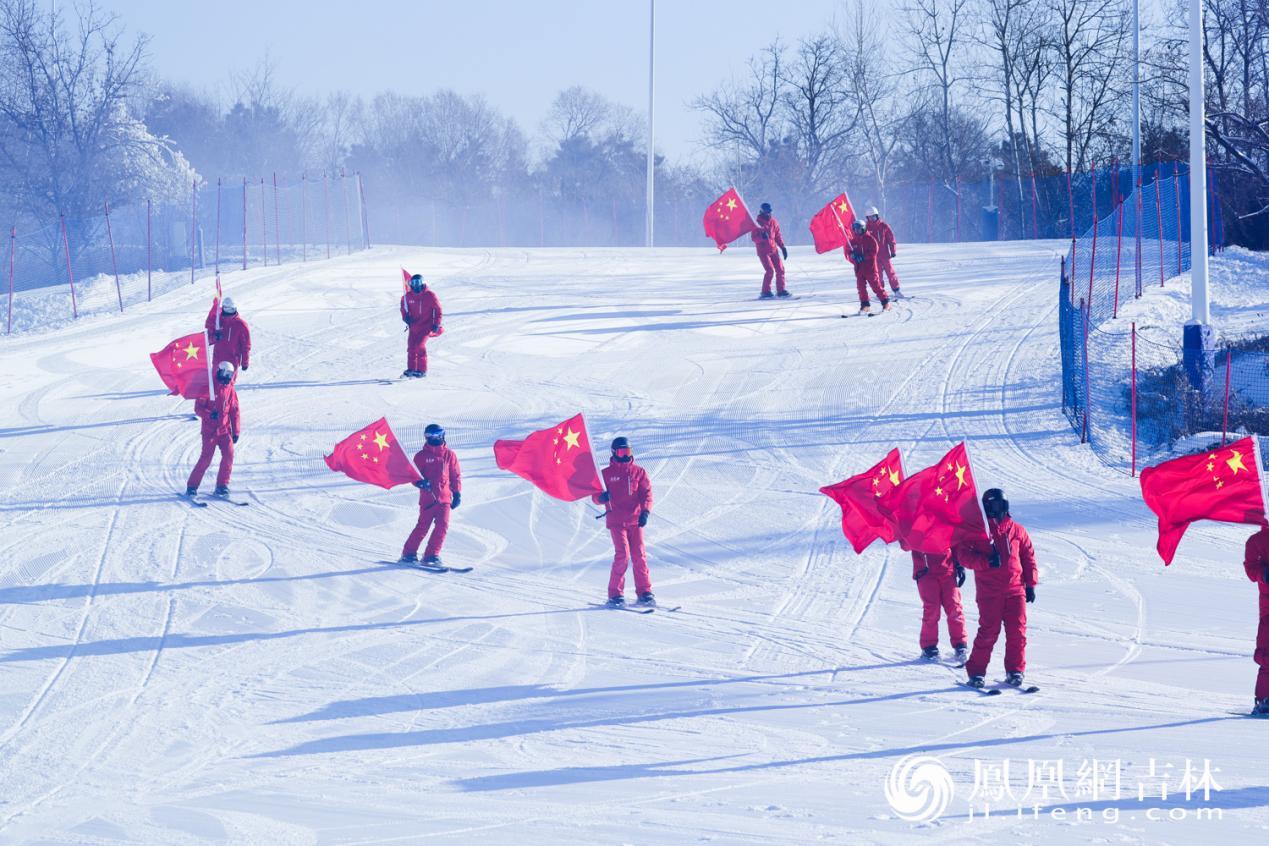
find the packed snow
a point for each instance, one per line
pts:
(257, 675)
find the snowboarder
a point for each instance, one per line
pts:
(1005, 577)
(1256, 563)
(231, 338)
(421, 311)
(440, 491)
(881, 230)
(771, 252)
(938, 579)
(628, 495)
(221, 427)
(863, 254)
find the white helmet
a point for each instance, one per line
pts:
(872, 212)
(225, 371)
(228, 307)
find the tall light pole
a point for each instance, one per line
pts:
(1198, 332)
(652, 53)
(1136, 87)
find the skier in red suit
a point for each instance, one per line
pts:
(771, 251)
(1005, 577)
(440, 491)
(1256, 563)
(221, 426)
(421, 311)
(628, 495)
(863, 254)
(231, 339)
(881, 230)
(938, 579)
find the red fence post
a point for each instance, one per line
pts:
(277, 222)
(244, 223)
(1158, 218)
(70, 274)
(114, 262)
(149, 253)
(193, 229)
(1087, 393)
(1176, 186)
(326, 209)
(1092, 261)
(1035, 212)
(1134, 399)
(1119, 249)
(13, 248)
(1229, 360)
(303, 217)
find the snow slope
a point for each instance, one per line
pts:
(253, 675)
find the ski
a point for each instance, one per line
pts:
(1028, 689)
(228, 501)
(197, 503)
(416, 565)
(985, 691)
(1248, 714)
(631, 608)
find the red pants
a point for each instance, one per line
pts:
(865, 279)
(627, 544)
(939, 595)
(436, 518)
(226, 445)
(772, 264)
(992, 612)
(416, 348)
(885, 270)
(1262, 646)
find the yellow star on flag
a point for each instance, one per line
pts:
(382, 440)
(938, 491)
(894, 478)
(1236, 462)
(191, 351)
(960, 476)
(731, 204)
(843, 207)
(572, 438)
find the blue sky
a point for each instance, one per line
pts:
(517, 54)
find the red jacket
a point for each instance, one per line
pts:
(439, 465)
(863, 252)
(1017, 570)
(421, 310)
(884, 235)
(225, 408)
(1257, 558)
(767, 237)
(234, 341)
(629, 492)
(940, 567)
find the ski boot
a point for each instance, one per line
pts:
(647, 600)
(1261, 708)
(1013, 679)
(433, 561)
(221, 491)
(766, 295)
(408, 374)
(977, 682)
(409, 558)
(930, 653)
(617, 601)
(885, 306)
(191, 492)
(961, 655)
(865, 308)
(783, 294)
(897, 295)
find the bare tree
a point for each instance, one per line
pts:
(1089, 38)
(820, 113)
(874, 87)
(745, 116)
(576, 112)
(937, 34)
(1011, 31)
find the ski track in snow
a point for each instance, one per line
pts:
(249, 675)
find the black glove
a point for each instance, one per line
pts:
(1030, 594)
(604, 497)
(643, 517)
(960, 576)
(423, 484)
(436, 327)
(1265, 574)
(216, 335)
(215, 415)
(455, 498)
(922, 572)
(784, 251)
(234, 438)
(994, 560)
(407, 319)
(856, 257)
(244, 368)
(892, 253)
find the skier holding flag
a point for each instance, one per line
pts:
(421, 311)
(881, 230)
(440, 492)
(769, 244)
(1256, 563)
(628, 496)
(229, 334)
(863, 254)
(221, 426)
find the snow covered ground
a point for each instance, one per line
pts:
(252, 675)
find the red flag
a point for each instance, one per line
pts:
(558, 460)
(405, 280)
(373, 455)
(937, 508)
(1223, 484)
(831, 225)
(727, 219)
(862, 523)
(184, 366)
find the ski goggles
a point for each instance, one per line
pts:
(435, 437)
(622, 452)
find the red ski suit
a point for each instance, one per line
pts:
(1001, 594)
(863, 253)
(629, 494)
(221, 427)
(422, 313)
(881, 230)
(439, 465)
(935, 577)
(769, 242)
(232, 342)
(1255, 562)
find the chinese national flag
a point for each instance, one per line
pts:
(831, 225)
(558, 460)
(862, 523)
(373, 455)
(937, 508)
(1222, 485)
(183, 366)
(405, 280)
(727, 219)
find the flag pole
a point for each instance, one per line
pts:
(978, 500)
(211, 386)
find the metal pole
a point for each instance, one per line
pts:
(264, 225)
(70, 274)
(1229, 363)
(1199, 306)
(13, 246)
(219, 180)
(652, 31)
(1136, 86)
(193, 229)
(1134, 399)
(244, 223)
(149, 253)
(303, 216)
(277, 221)
(114, 261)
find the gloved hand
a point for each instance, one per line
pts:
(455, 498)
(1265, 574)
(857, 257)
(784, 251)
(1030, 594)
(244, 368)
(234, 438)
(892, 252)
(923, 571)
(216, 335)
(994, 560)
(643, 517)
(604, 497)
(960, 576)
(423, 484)
(215, 415)
(408, 320)
(436, 327)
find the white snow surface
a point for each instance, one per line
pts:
(255, 675)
